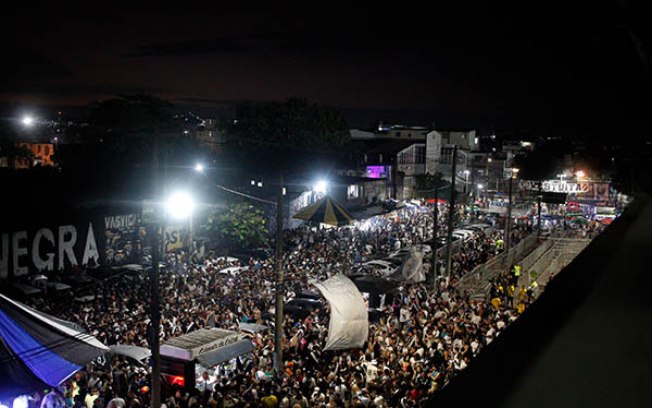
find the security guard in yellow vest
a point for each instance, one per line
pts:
(499, 245)
(517, 273)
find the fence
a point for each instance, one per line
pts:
(553, 261)
(478, 280)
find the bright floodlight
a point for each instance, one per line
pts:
(180, 205)
(28, 120)
(480, 186)
(320, 186)
(199, 168)
(466, 172)
(580, 174)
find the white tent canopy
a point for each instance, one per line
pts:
(349, 322)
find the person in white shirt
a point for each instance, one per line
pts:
(205, 383)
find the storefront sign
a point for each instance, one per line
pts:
(555, 186)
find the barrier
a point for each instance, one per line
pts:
(478, 280)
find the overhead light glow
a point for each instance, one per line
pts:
(321, 186)
(28, 120)
(199, 167)
(180, 205)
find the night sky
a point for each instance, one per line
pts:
(531, 66)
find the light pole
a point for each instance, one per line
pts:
(508, 222)
(466, 181)
(451, 216)
(280, 283)
(178, 206)
(486, 171)
(478, 190)
(434, 237)
(539, 198)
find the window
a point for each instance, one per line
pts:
(352, 192)
(420, 154)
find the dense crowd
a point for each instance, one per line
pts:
(421, 340)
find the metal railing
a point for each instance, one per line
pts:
(556, 259)
(478, 280)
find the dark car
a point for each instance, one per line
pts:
(256, 253)
(301, 308)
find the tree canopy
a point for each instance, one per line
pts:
(241, 225)
(295, 123)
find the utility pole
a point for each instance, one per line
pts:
(280, 283)
(451, 216)
(508, 222)
(539, 197)
(155, 311)
(434, 239)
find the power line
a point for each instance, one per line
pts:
(245, 195)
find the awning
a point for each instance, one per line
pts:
(252, 327)
(325, 211)
(134, 352)
(226, 353)
(37, 351)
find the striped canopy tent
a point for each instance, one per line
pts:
(325, 211)
(39, 351)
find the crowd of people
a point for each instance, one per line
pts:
(421, 340)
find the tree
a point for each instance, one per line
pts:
(132, 115)
(241, 225)
(541, 163)
(122, 133)
(295, 123)
(425, 184)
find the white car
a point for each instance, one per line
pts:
(463, 234)
(233, 270)
(385, 268)
(401, 253)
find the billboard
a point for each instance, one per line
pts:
(74, 240)
(376, 172)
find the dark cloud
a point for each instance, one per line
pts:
(543, 63)
(196, 47)
(27, 64)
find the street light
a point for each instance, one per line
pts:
(319, 189)
(28, 121)
(580, 174)
(508, 223)
(321, 186)
(199, 168)
(178, 206)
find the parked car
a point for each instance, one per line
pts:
(301, 307)
(384, 268)
(463, 233)
(256, 253)
(475, 228)
(401, 253)
(233, 270)
(21, 291)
